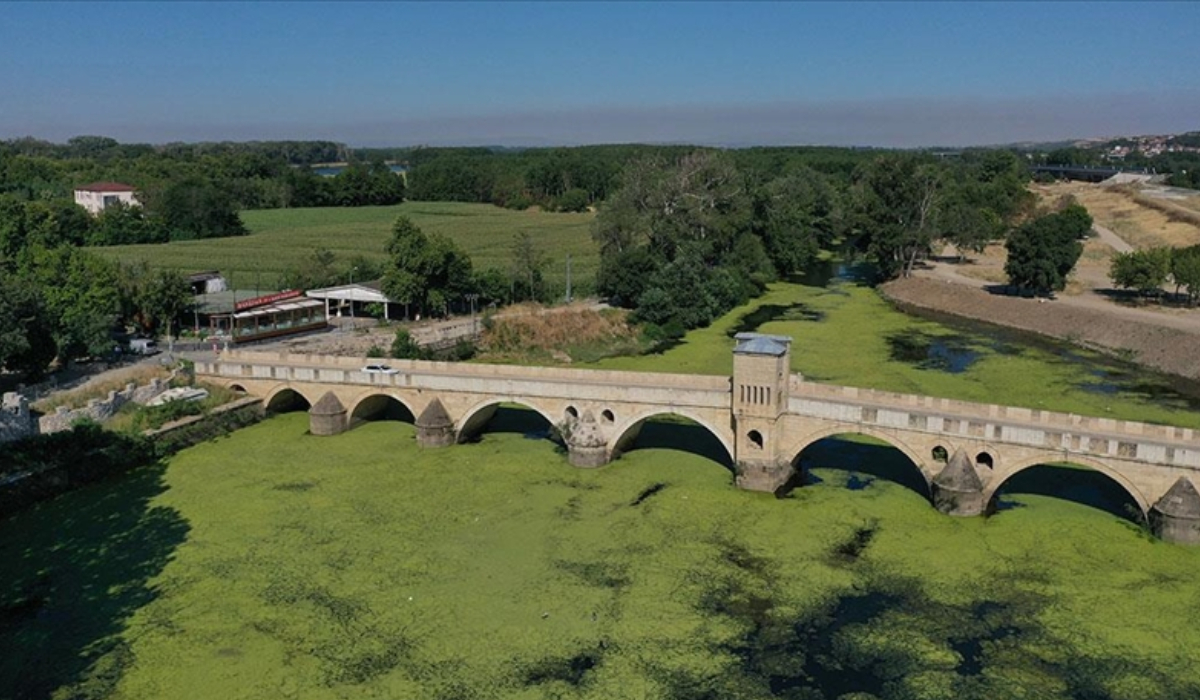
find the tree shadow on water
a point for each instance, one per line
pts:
(76, 568)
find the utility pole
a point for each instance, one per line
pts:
(474, 326)
(351, 290)
(568, 278)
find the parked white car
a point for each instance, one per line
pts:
(380, 369)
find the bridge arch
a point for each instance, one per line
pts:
(627, 431)
(918, 460)
(284, 398)
(376, 405)
(476, 417)
(1052, 458)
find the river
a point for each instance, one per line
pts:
(273, 563)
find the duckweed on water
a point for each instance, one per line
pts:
(848, 334)
(278, 564)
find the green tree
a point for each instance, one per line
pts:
(896, 198)
(1185, 271)
(1143, 270)
(800, 215)
(196, 208)
(405, 348)
(162, 297)
(528, 265)
(1043, 252)
(573, 200)
(430, 272)
(82, 297)
(625, 275)
(26, 342)
(122, 224)
(55, 223)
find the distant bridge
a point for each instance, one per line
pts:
(1089, 173)
(763, 416)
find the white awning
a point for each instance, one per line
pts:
(350, 292)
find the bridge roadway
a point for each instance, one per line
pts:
(764, 416)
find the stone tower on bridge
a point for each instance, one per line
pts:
(761, 376)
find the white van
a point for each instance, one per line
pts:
(143, 346)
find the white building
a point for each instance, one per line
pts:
(349, 299)
(99, 195)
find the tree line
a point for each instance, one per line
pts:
(684, 240)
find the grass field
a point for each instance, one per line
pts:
(275, 564)
(280, 238)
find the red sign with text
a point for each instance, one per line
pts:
(267, 299)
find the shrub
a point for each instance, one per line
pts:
(405, 348)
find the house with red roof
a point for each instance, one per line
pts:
(99, 195)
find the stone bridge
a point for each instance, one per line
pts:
(763, 416)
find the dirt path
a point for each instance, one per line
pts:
(1111, 239)
(1164, 342)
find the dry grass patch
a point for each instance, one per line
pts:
(565, 334)
(116, 380)
(1143, 221)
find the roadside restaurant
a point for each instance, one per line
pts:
(273, 315)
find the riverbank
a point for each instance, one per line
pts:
(1162, 348)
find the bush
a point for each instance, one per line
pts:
(376, 351)
(405, 348)
(573, 200)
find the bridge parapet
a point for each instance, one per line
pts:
(1132, 440)
(236, 362)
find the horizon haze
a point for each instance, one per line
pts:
(543, 74)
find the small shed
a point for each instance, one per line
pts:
(207, 282)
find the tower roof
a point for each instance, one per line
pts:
(959, 474)
(434, 416)
(1180, 501)
(327, 405)
(761, 344)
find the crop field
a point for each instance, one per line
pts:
(280, 238)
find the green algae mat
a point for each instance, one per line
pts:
(846, 333)
(276, 564)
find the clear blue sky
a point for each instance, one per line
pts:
(507, 72)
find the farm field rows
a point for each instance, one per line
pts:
(280, 238)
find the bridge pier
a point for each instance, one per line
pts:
(586, 444)
(434, 427)
(1176, 516)
(327, 416)
(957, 489)
(762, 475)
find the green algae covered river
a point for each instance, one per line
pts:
(276, 564)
